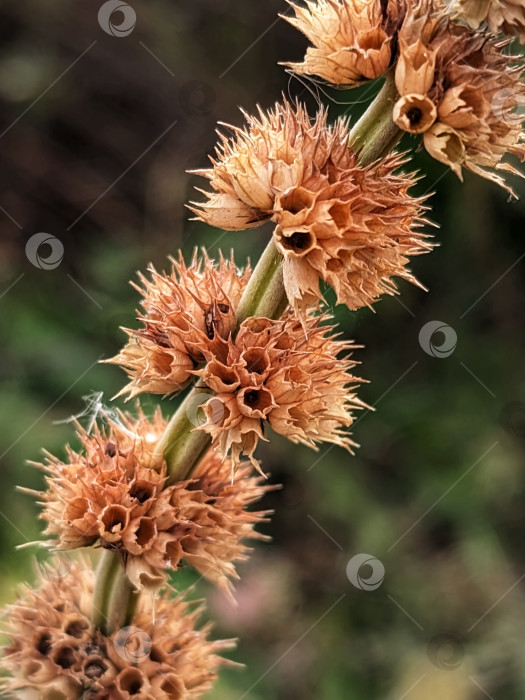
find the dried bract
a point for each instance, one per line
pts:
(352, 40)
(353, 227)
(283, 374)
(113, 493)
(55, 652)
(184, 313)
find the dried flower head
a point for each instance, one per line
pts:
(184, 312)
(113, 493)
(353, 227)
(352, 39)
(502, 16)
(55, 653)
(283, 374)
(459, 88)
(477, 91)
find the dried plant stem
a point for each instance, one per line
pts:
(373, 136)
(122, 601)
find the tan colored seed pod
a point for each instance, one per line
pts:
(351, 40)
(113, 493)
(462, 90)
(502, 16)
(353, 227)
(414, 113)
(184, 312)
(160, 655)
(283, 374)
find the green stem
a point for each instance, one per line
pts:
(264, 294)
(122, 601)
(107, 570)
(182, 445)
(374, 135)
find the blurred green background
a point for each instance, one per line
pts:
(96, 134)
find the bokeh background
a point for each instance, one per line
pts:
(96, 135)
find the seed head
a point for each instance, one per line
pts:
(352, 40)
(502, 16)
(353, 227)
(113, 493)
(459, 88)
(283, 374)
(184, 312)
(55, 653)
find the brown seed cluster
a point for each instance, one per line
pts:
(185, 312)
(459, 88)
(352, 40)
(353, 227)
(284, 374)
(502, 16)
(55, 653)
(113, 493)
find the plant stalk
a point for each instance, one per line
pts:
(107, 571)
(376, 134)
(373, 136)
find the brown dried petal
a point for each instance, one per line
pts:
(414, 113)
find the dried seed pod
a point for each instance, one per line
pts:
(353, 227)
(460, 89)
(184, 312)
(352, 40)
(113, 493)
(284, 374)
(159, 655)
(502, 16)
